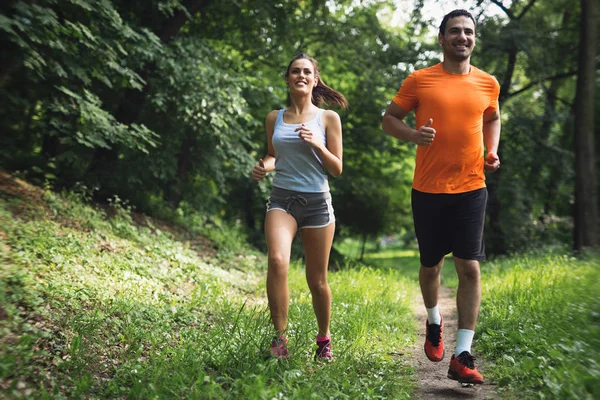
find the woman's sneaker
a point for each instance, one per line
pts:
(279, 347)
(434, 342)
(323, 349)
(462, 369)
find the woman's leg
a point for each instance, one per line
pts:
(317, 246)
(280, 229)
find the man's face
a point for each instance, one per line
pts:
(458, 40)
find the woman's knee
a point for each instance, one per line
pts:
(317, 285)
(278, 263)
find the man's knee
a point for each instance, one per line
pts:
(467, 269)
(432, 272)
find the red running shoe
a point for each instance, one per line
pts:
(462, 369)
(434, 344)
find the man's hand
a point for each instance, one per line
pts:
(425, 134)
(492, 162)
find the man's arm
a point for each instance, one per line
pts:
(394, 125)
(491, 138)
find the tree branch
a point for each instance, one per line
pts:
(503, 8)
(172, 26)
(527, 7)
(532, 84)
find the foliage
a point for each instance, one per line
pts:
(63, 58)
(164, 105)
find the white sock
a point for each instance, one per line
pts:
(433, 315)
(464, 338)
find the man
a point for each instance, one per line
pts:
(456, 109)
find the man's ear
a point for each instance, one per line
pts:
(440, 38)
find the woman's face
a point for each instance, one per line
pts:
(301, 76)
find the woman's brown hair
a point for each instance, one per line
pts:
(321, 94)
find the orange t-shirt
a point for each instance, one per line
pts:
(453, 163)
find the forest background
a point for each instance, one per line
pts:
(113, 109)
(159, 106)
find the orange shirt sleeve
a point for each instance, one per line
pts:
(406, 98)
(494, 103)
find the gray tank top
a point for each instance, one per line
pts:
(297, 166)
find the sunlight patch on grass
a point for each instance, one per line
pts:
(402, 253)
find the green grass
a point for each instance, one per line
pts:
(540, 324)
(98, 307)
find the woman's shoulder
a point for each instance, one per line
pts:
(330, 115)
(272, 114)
(271, 120)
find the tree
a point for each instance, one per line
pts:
(586, 195)
(528, 195)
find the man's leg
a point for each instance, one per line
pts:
(429, 280)
(468, 298)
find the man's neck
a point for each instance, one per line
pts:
(457, 67)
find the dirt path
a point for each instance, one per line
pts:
(432, 382)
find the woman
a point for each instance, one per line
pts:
(304, 144)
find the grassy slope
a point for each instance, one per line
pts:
(98, 307)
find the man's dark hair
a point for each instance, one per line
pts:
(454, 14)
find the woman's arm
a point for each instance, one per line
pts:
(267, 163)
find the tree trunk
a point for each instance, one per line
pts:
(549, 120)
(586, 204)
(495, 243)
(176, 187)
(10, 56)
(364, 245)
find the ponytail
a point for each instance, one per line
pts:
(323, 94)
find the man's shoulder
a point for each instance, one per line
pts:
(432, 70)
(483, 74)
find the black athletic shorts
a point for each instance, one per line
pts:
(449, 223)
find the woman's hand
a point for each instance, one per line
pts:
(307, 136)
(259, 171)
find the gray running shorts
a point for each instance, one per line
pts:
(310, 210)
